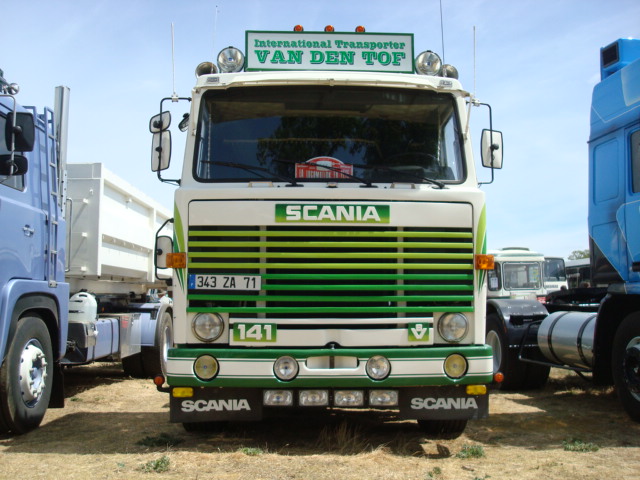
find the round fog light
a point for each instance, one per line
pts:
(378, 367)
(285, 368)
(428, 63)
(453, 327)
(455, 366)
(205, 367)
(207, 326)
(230, 60)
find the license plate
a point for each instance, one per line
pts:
(225, 282)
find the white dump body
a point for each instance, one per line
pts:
(111, 232)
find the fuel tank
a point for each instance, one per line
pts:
(568, 338)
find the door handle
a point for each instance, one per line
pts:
(28, 231)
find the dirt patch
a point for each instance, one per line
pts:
(115, 427)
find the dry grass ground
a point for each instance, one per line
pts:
(114, 427)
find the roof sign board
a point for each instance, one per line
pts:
(366, 52)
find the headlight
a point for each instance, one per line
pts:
(428, 63)
(378, 367)
(455, 366)
(453, 327)
(207, 326)
(205, 367)
(230, 60)
(286, 368)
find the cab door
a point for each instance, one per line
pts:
(632, 208)
(22, 221)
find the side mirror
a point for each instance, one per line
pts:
(164, 245)
(160, 122)
(161, 150)
(21, 137)
(18, 166)
(491, 148)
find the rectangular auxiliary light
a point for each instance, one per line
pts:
(348, 398)
(277, 398)
(383, 398)
(313, 398)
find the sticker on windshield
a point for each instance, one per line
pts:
(323, 167)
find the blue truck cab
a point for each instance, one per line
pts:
(33, 292)
(592, 328)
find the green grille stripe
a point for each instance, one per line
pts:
(333, 298)
(365, 255)
(368, 276)
(368, 287)
(435, 245)
(328, 233)
(336, 266)
(299, 310)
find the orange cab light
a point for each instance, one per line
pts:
(329, 28)
(177, 260)
(298, 28)
(484, 262)
(360, 29)
(498, 377)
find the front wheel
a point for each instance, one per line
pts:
(626, 364)
(154, 358)
(26, 377)
(443, 429)
(518, 375)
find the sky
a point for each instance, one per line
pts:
(536, 62)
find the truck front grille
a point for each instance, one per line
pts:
(317, 272)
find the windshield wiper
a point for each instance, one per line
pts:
(384, 168)
(254, 169)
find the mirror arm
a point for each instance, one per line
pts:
(174, 181)
(169, 281)
(490, 142)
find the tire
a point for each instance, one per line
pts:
(26, 377)
(154, 359)
(204, 427)
(626, 364)
(517, 375)
(443, 429)
(495, 337)
(133, 367)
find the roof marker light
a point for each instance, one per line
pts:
(298, 28)
(329, 28)
(360, 29)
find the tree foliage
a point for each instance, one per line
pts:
(578, 254)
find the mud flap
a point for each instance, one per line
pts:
(217, 404)
(446, 403)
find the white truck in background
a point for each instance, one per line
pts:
(110, 244)
(520, 272)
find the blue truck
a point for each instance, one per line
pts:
(594, 328)
(77, 281)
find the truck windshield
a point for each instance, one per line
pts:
(322, 133)
(554, 270)
(522, 275)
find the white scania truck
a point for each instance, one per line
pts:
(329, 244)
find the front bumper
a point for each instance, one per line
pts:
(337, 368)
